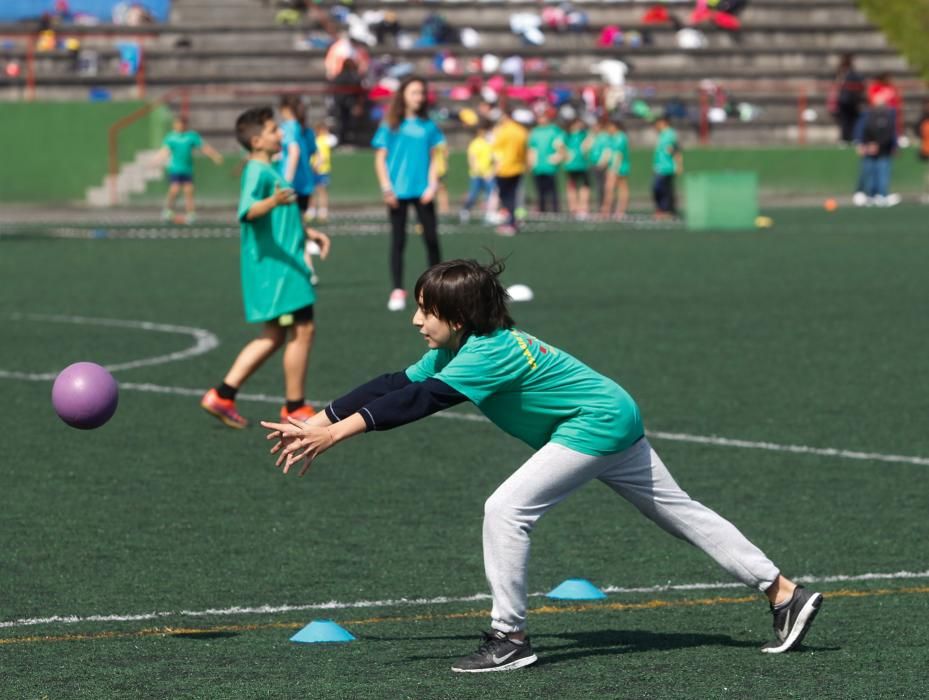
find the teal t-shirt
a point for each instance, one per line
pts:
(620, 161)
(545, 140)
(665, 149)
(536, 392)
(181, 145)
(574, 141)
(275, 278)
(295, 133)
(602, 143)
(409, 153)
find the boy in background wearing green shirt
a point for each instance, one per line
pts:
(546, 153)
(276, 287)
(177, 151)
(617, 178)
(668, 161)
(583, 426)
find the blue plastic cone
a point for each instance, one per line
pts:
(322, 631)
(576, 589)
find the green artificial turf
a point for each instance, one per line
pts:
(811, 333)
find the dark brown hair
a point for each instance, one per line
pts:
(396, 111)
(250, 124)
(296, 107)
(466, 292)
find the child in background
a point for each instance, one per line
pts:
(441, 169)
(322, 167)
(546, 153)
(582, 425)
(599, 156)
(177, 151)
(297, 148)
(509, 148)
(617, 181)
(405, 147)
(276, 287)
(666, 163)
(480, 171)
(576, 168)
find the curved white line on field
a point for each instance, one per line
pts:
(204, 341)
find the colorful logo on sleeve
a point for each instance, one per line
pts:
(528, 344)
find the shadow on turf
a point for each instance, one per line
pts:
(603, 643)
(205, 635)
(598, 643)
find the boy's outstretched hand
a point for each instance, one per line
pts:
(297, 441)
(320, 239)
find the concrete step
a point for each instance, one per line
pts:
(133, 178)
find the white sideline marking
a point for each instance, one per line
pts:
(657, 434)
(797, 449)
(404, 602)
(205, 341)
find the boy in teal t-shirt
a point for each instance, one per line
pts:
(576, 146)
(177, 151)
(666, 163)
(583, 426)
(546, 149)
(276, 287)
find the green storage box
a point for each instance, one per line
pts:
(726, 199)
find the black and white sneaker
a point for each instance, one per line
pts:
(496, 653)
(792, 620)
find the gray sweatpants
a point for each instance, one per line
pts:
(638, 475)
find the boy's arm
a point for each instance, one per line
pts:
(164, 153)
(212, 153)
(262, 207)
(320, 239)
(407, 402)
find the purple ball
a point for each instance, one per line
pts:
(85, 395)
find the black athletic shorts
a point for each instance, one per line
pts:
(303, 202)
(579, 178)
(299, 316)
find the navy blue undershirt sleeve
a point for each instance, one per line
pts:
(412, 402)
(366, 393)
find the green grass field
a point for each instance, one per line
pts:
(809, 334)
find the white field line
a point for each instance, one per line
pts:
(454, 415)
(204, 341)
(412, 602)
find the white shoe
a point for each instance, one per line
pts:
(397, 300)
(464, 216)
(892, 200)
(879, 200)
(859, 199)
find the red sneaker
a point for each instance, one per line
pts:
(224, 409)
(304, 413)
